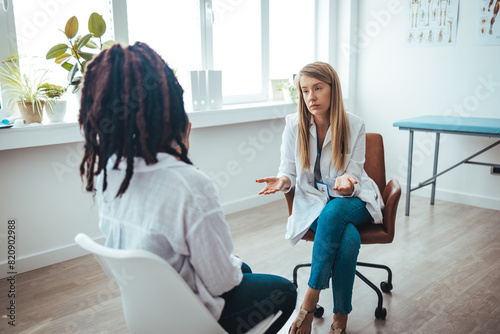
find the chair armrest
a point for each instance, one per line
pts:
(383, 233)
(391, 196)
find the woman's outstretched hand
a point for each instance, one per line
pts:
(273, 184)
(345, 184)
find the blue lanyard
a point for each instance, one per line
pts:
(317, 143)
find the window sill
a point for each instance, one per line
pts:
(69, 132)
(240, 113)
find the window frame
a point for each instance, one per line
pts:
(326, 42)
(8, 37)
(208, 19)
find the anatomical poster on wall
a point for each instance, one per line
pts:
(432, 22)
(489, 25)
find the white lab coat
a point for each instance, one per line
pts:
(309, 201)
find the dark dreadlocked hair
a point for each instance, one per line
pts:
(131, 106)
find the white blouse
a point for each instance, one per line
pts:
(171, 209)
(309, 201)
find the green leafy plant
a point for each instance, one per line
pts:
(24, 88)
(52, 91)
(72, 55)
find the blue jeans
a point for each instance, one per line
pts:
(336, 248)
(254, 299)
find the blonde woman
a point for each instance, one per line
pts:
(322, 155)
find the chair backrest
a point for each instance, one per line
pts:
(155, 298)
(374, 159)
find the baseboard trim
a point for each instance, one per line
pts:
(485, 202)
(42, 259)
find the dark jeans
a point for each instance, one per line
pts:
(254, 299)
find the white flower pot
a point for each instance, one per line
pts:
(277, 93)
(59, 111)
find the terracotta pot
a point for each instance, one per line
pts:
(30, 112)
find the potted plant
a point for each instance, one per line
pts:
(74, 54)
(289, 90)
(55, 93)
(277, 89)
(25, 90)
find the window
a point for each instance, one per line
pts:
(224, 35)
(30, 28)
(38, 24)
(291, 36)
(251, 41)
(172, 29)
(238, 48)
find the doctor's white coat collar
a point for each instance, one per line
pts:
(314, 132)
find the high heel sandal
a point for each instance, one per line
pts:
(301, 317)
(337, 330)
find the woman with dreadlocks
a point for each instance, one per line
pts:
(151, 197)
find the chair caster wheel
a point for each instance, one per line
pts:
(380, 313)
(386, 286)
(318, 312)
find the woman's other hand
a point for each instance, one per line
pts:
(345, 184)
(273, 184)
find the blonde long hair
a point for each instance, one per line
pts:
(339, 123)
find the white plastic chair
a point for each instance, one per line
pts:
(155, 298)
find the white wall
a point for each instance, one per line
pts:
(395, 81)
(235, 156)
(42, 190)
(48, 205)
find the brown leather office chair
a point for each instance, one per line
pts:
(373, 233)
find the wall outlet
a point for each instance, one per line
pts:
(495, 170)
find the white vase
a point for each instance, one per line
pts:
(78, 95)
(277, 92)
(286, 96)
(58, 113)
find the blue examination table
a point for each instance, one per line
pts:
(470, 126)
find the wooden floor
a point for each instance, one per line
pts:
(445, 259)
